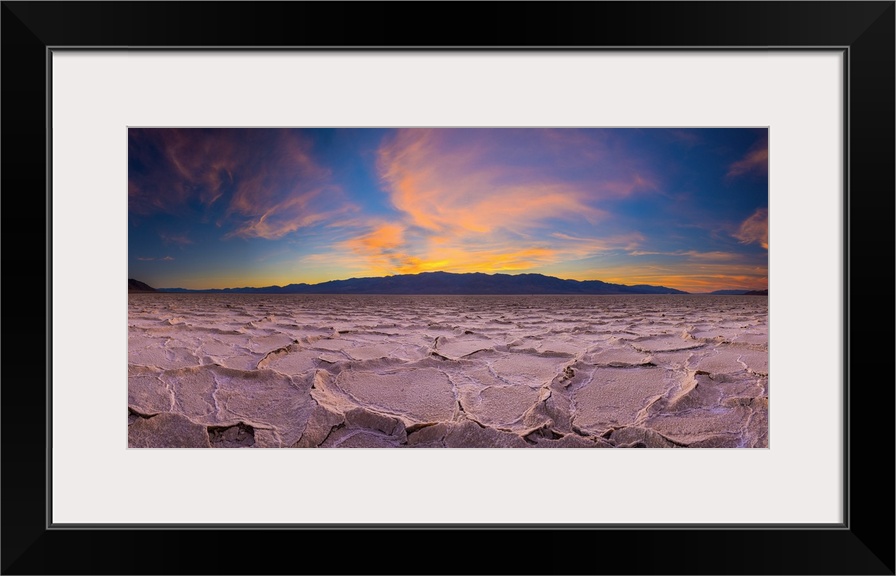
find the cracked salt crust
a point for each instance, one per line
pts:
(447, 371)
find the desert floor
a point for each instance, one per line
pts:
(208, 370)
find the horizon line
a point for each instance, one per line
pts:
(445, 273)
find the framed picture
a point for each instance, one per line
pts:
(817, 76)
(449, 287)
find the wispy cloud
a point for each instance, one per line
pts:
(389, 248)
(443, 187)
(276, 218)
(382, 247)
(171, 169)
(584, 246)
(448, 179)
(755, 161)
(170, 238)
(711, 256)
(754, 229)
(153, 258)
(487, 202)
(255, 183)
(691, 277)
(685, 137)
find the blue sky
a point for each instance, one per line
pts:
(215, 208)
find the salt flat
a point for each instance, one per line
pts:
(240, 370)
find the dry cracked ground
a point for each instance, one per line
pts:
(447, 371)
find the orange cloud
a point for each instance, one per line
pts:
(754, 229)
(493, 259)
(386, 237)
(443, 187)
(389, 248)
(695, 277)
(479, 204)
(754, 161)
(381, 249)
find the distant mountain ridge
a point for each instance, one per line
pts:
(740, 292)
(475, 283)
(138, 286)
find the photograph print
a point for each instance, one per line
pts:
(448, 288)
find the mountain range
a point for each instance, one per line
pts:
(740, 292)
(445, 283)
(138, 286)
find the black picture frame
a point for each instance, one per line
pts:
(863, 544)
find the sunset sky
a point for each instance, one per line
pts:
(216, 208)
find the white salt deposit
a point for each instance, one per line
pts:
(243, 370)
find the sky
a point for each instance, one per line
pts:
(218, 208)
